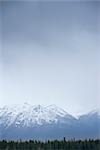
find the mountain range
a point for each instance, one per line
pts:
(51, 122)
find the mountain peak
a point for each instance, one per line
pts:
(26, 114)
(94, 112)
(25, 103)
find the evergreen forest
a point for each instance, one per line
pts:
(51, 145)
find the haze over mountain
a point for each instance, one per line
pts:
(49, 53)
(50, 122)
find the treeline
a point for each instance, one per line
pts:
(51, 145)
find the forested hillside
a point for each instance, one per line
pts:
(51, 145)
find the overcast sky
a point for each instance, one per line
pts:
(49, 54)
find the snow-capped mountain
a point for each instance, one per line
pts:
(40, 122)
(28, 115)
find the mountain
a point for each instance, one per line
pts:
(40, 122)
(27, 115)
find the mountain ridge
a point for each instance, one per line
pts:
(37, 113)
(42, 122)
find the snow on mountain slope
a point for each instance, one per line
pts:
(94, 112)
(28, 115)
(40, 122)
(57, 110)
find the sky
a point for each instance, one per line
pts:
(49, 54)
